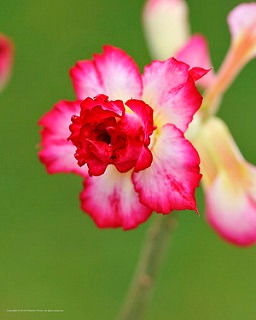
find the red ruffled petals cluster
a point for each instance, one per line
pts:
(105, 134)
(125, 136)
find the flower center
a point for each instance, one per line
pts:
(105, 134)
(104, 137)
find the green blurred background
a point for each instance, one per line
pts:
(52, 255)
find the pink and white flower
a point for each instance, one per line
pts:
(125, 136)
(6, 59)
(229, 181)
(229, 184)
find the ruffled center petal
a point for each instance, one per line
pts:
(104, 133)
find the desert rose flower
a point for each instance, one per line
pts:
(124, 134)
(228, 180)
(229, 183)
(6, 59)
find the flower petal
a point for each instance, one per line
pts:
(6, 59)
(86, 80)
(57, 152)
(119, 73)
(170, 182)
(218, 152)
(229, 184)
(145, 113)
(112, 202)
(170, 90)
(112, 73)
(166, 26)
(231, 210)
(196, 53)
(242, 23)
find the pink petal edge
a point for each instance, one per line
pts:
(112, 202)
(170, 90)
(242, 19)
(170, 182)
(196, 53)
(57, 153)
(231, 212)
(112, 73)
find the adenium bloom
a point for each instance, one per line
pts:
(6, 59)
(125, 136)
(229, 181)
(105, 133)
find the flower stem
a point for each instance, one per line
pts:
(148, 266)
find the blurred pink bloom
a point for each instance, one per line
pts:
(196, 53)
(166, 26)
(229, 184)
(166, 29)
(242, 25)
(6, 59)
(127, 137)
(229, 181)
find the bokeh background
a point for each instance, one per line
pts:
(52, 255)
